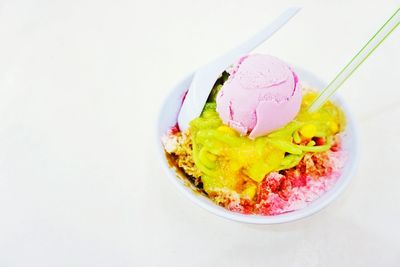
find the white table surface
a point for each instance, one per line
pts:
(80, 86)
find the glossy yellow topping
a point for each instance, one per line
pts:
(232, 162)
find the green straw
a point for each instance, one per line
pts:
(357, 60)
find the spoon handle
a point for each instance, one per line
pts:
(357, 60)
(244, 48)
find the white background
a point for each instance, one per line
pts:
(80, 86)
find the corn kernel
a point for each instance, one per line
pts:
(227, 130)
(311, 143)
(333, 126)
(250, 191)
(308, 130)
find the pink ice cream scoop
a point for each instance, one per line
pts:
(261, 95)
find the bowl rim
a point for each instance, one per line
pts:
(312, 208)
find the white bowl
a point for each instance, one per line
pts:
(168, 117)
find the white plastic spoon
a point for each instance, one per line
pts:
(205, 77)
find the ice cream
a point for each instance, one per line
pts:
(261, 95)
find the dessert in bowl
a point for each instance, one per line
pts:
(256, 154)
